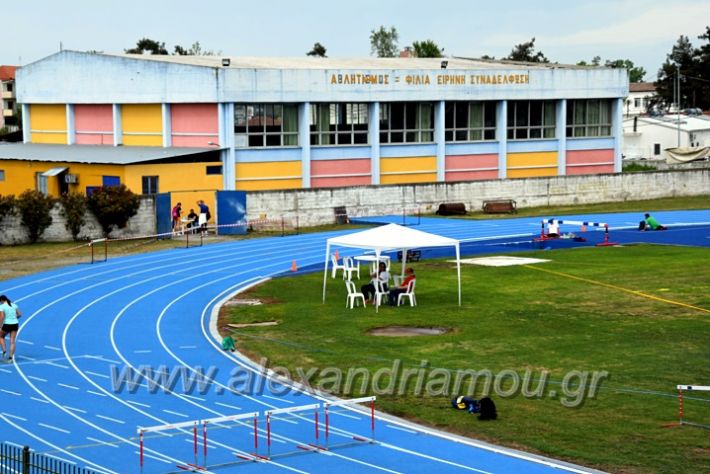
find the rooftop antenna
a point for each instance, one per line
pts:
(61, 48)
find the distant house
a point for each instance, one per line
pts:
(8, 104)
(647, 137)
(640, 95)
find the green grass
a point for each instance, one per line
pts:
(637, 168)
(520, 318)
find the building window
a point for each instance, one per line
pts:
(41, 182)
(589, 118)
(107, 181)
(637, 102)
(339, 124)
(10, 105)
(266, 125)
(217, 169)
(406, 122)
(9, 86)
(2, 175)
(150, 184)
(531, 119)
(656, 149)
(470, 121)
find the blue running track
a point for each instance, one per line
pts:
(155, 309)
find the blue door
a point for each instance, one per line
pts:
(231, 209)
(163, 213)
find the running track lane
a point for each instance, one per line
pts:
(153, 309)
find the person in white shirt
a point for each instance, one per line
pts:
(382, 276)
(553, 229)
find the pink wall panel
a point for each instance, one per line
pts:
(331, 167)
(94, 139)
(470, 175)
(93, 118)
(595, 169)
(467, 162)
(194, 118)
(580, 157)
(194, 140)
(340, 182)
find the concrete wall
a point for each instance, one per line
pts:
(12, 232)
(315, 206)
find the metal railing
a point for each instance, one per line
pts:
(21, 460)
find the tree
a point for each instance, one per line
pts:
(147, 45)
(113, 206)
(35, 208)
(427, 49)
(195, 50)
(686, 60)
(526, 52)
(317, 51)
(383, 42)
(7, 206)
(636, 73)
(74, 211)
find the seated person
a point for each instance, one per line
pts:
(395, 292)
(192, 218)
(382, 276)
(553, 230)
(649, 223)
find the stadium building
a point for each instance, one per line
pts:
(174, 123)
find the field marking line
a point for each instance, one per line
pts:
(620, 288)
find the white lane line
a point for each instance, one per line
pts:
(278, 399)
(39, 379)
(227, 406)
(10, 392)
(95, 393)
(433, 458)
(194, 397)
(187, 347)
(103, 376)
(6, 371)
(25, 357)
(153, 457)
(53, 348)
(61, 430)
(39, 400)
(111, 419)
(79, 410)
(14, 416)
(176, 413)
(138, 404)
(402, 429)
(26, 342)
(60, 459)
(72, 387)
(102, 443)
(142, 351)
(54, 364)
(345, 415)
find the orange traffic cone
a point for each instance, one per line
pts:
(294, 267)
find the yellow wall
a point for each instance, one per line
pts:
(48, 123)
(528, 165)
(21, 175)
(142, 124)
(408, 170)
(268, 175)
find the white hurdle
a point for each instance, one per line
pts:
(583, 228)
(287, 411)
(328, 405)
(697, 388)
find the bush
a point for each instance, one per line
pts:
(34, 209)
(637, 168)
(74, 211)
(7, 206)
(113, 206)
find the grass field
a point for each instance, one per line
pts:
(518, 318)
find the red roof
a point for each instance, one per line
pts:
(7, 73)
(642, 87)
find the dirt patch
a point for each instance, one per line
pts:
(406, 331)
(251, 325)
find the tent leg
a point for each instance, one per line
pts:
(325, 272)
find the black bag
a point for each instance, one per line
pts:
(642, 225)
(487, 409)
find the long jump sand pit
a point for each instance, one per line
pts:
(407, 331)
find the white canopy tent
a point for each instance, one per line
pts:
(388, 238)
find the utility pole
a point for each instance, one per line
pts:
(677, 104)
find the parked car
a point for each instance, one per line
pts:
(693, 111)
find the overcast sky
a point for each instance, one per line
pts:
(565, 31)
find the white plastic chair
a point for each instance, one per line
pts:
(408, 294)
(353, 295)
(380, 292)
(336, 266)
(350, 268)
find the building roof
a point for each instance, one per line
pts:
(642, 87)
(113, 155)
(7, 73)
(309, 62)
(687, 124)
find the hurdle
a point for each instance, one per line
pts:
(698, 388)
(583, 228)
(341, 403)
(270, 414)
(92, 244)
